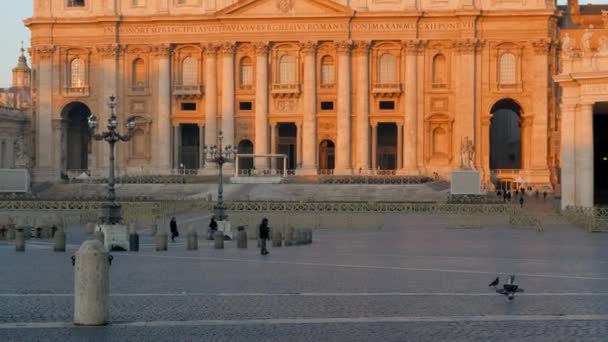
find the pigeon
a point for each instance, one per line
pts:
(495, 282)
(509, 289)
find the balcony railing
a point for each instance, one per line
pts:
(285, 90)
(77, 91)
(386, 89)
(187, 91)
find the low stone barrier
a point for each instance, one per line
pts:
(241, 237)
(20, 240)
(161, 241)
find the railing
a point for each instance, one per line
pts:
(260, 172)
(388, 179)
(386, 89)
(280, 89)
(187, 90)
(507, 172)
(325, 172)
(77, 91)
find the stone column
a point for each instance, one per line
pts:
(465, 98)
(540, 106)
(163, 146)
(410, 141)
(568, 184)
(343, 151)
(273, 144)
(374, 146)
(260, 145)
(177, 142)
(108, 73)
(584, 155)
(44, 110)
(201, 146)
(309, 118)
(363, 143)
(399, 146)
(228, 93)
(210, 56)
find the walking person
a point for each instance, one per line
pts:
(174, 232)
(544, 195)
(521, 201)
(264, 235)
(212, 228)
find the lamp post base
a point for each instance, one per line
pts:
(110, 213)
(219, 210)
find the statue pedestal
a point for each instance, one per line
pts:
(115, 235)
(466, 182)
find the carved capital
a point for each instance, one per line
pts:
(227, 48)
(361, 47)
(210, 50)
(45, 51)
(541, 46)
(413, 46)
(343, 46)
(108, 50)
(261, 48)
(308, 47)
(162, 50)
(466, 46)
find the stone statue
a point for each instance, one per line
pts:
(603, 48)
(467, 154)
(567, 44)
(587, 40)
(605, 18)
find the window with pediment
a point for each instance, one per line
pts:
(327, 71)
(189, 71)
(506, 74)
(287, 69)
(246, 72)
(440, 70)
(139, 77)
(77, 73)
(386, 69)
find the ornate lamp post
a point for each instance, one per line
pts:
(111, 213)
(219, 155)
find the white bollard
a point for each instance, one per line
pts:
(91, 284)
(59, 241)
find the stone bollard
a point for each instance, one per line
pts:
(241, 237)
(46, 232)
(54, 230)
(3, 233)
(289, 237)
(153, 229)
(219, 240)
(20, 240)
(297, 237)
(98, 235)
(59, 241)
(310, 236)
(91, 284)
(277, 239)
(134, 241)
(192, 241)
(89, 228)
(161, 241)
(10, 233)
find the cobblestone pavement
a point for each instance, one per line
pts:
(413, 280)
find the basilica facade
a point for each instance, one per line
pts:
(341, 87)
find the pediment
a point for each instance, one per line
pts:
(284, 8)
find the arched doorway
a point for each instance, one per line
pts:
(78, 136)
(327, 155)
(387, 146)
(245, 164)
(600, 154)
(505, 136)
(287, 144)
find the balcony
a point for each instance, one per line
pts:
(187, 91)
(140, 88)
(285, 90)
(386, 89)
(77, 91)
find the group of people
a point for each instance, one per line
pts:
(506, 194)
(264, 231)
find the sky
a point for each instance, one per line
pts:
(13, 32)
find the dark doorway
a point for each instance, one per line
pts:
(505, 135)
(189, 148)
(245, 147)
(78, 136)
(287, 143)
(600, 153)
(327, 155)
(387, 146)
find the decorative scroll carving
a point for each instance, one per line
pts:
(261, 48)
(466, 46)
(45, 51)
(210, 50)
(162, 50)
(285, 106)
(361, 47)
(308, 47)
(541, 46)
(412, 47)
(343, 46)
(227, 48)
(285, 6)
(108, 50)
